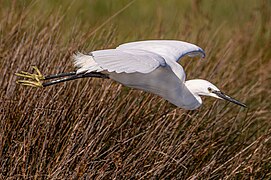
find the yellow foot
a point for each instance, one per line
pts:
(34, 79)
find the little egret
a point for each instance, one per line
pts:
(147, 65)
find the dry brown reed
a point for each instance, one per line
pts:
(92, 128)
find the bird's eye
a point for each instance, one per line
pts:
(209, 89)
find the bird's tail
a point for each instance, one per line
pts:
(85, 63)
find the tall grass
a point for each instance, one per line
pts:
(92, 128)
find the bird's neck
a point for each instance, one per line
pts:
(192, 86)
(183, 97)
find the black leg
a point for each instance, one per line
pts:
(96, 75)
(72, 77)
(53, 76)
(35, 80)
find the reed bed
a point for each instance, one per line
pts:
(93, 128)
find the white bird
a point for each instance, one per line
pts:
(147, 65)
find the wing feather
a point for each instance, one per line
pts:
(127, 61)
(168, 49)
(141, 56)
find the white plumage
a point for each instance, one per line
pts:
(148, 65)
(128, 60)
(141, 56)
(152, 66)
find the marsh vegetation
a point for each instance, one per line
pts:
(93, 128)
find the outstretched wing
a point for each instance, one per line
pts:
(141, 56)
(168, 49)
(128, 61)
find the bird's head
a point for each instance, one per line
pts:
(202, 87)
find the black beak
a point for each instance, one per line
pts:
(228, 98)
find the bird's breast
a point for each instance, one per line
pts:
(162, 81)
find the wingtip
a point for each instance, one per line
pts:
(203, 54)
(196, 53)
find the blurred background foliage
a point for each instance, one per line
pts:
(143, 19)
(100, 129)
